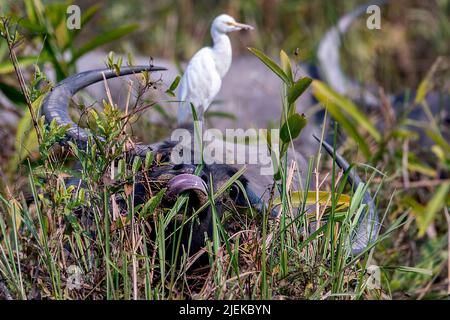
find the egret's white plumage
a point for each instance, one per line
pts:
(202, 78)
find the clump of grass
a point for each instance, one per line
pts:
(116, 258)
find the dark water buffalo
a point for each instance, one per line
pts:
(183, 178)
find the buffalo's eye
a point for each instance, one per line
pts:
(234, 192)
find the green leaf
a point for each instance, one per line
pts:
(220, 114)
(104, 39)
(175, 83)
(292, 128)
(423, 271)
(31, 26)
(328, 99)
(62, 35)
(435, 205)
(152, 204)
(173, 86)
(26, 138)
(136, 164)
(324, 197)
(148, 160)
(438, 139)
(298, 88)
(416, 166)
(286, 65)
(86, 17)
(271, 64)
(329, 96)
(7, 66)
(120, 169)
(422, 90)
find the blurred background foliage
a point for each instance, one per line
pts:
(413, 31)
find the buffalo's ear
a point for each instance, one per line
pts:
(235, 194)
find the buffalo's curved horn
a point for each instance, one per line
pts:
(55, 106)
(368, 224)
(329, 63)
(185, 182)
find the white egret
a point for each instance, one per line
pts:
(202, 78)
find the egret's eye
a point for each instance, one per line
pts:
(229, 23)
(234, 192)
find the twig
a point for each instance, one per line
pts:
(20, 77)
(421, 183)
(405, 164)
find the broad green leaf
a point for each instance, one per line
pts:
(438, 139)
(34, 9)
(54, 15)
(26, 138)
(151, 205)
(298, 197)
(103, 39)
(415, 166)
(438, 152)
(286, 65)
(343, 104)
(422, 90)
(175, 83)
(31, 26)
(435, 205)
(173, 86)
(298, 88)
(271, 64)
(325, 96)
(292, 128)
(149, 156)
(121, 166)
(86, 16)
(89, 13)
(7, 66)
(62, 35)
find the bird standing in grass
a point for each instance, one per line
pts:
(202, 78)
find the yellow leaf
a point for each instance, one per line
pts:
(298, 197)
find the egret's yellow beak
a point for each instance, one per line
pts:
(241, 26)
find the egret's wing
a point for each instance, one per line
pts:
(199, 84)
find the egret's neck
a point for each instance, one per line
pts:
(222, 52)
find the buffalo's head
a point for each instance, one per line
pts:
(206, 187)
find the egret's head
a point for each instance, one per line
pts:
(225, 23)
